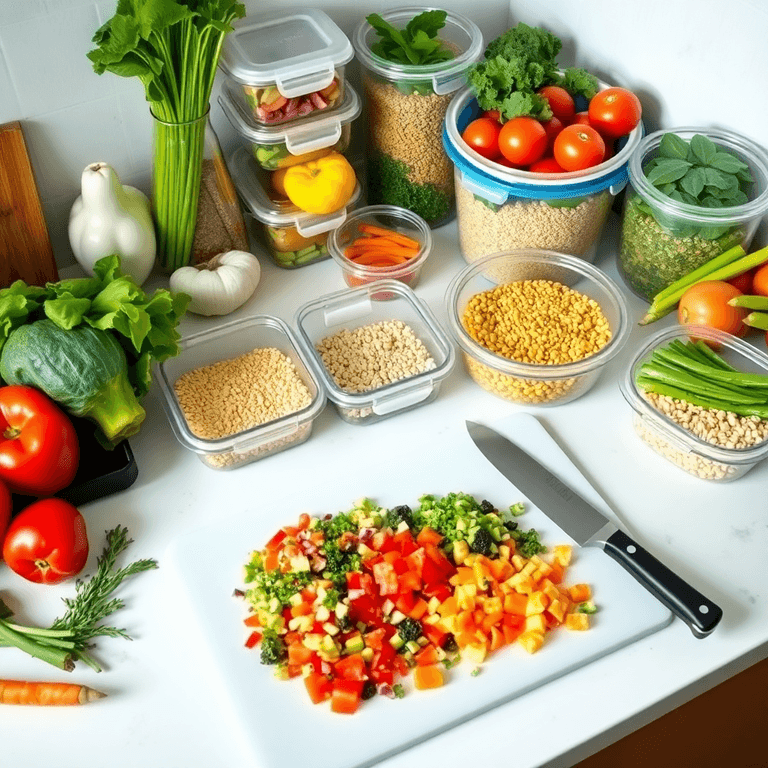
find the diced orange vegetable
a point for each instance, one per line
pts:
(427, 677)
(299, 654)
(577, 621)
(580, 593)
(371, 229)
(427, 655)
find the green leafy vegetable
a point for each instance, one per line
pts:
(173, 47)
(66, 641)
(417, 44)
(516, 65)
(145, 326)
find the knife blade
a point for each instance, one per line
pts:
(589, 527)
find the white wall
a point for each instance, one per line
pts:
(702, 62)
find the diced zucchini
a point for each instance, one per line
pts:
(396, 641)
(354, 644)
(396, 617)
(413, 646)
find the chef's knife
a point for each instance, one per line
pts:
(587, 526)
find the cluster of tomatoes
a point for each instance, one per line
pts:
(569, 141)
(707, 302)
(45, 541)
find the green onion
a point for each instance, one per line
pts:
(173, 47)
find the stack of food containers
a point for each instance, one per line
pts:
(286, 96)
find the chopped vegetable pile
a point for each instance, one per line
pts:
(353, 602)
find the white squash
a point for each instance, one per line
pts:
(218, 286)
(111, 218)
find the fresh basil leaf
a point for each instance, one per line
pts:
(703, 148)
(745, 176)
(671, 145)
(715, 178)
(429, 22)
(728, 163)
(667, 170)
(693, 181)
(710, 201)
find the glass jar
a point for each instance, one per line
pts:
(663, 239)
(406, 163)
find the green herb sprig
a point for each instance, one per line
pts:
(417, 44)
(698, 173)
(67, 639)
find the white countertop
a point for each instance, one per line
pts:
(163, 706)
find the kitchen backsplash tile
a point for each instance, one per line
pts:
(9, 104)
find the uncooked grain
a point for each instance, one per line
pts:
(485, 229)
(408, 128)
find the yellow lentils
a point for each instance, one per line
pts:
(537, 322)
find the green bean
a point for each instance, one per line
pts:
(731, 377)
(757, 320)
(711, 355)
(750, 302)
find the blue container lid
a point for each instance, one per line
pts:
(499, 187)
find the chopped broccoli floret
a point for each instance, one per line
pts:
(398, 690)
(409, 629)
(529, 543)
(400, 514)
(331, 598)
(482, 543)
(272, 648)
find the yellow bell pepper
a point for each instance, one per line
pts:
(321, 186)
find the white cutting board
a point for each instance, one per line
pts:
(279, 723)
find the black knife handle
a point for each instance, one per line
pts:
(699, 613)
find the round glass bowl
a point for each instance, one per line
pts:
(389, 217)
(532, 383)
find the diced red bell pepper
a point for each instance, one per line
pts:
(319, 687)
(405, 543)
(434, 635)
(440, 590)
(409, 581)
(253, 639)
(386, 578)
(274, 543)
(416, 559)
(345, 697)
(350, 667)
(428, 535)
(405, 602)
(426, 656)
(299, 654)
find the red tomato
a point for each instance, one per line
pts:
(743, 281)
(483, 136)
(560, 102)
(615, 112)
(493, 114)
(522, 140)
(545, 165)
(760, 281)
(39, 451)
(706, 303)
(6, 508)
(46, 542)
(552, 128)
(580, 118)
(578, 147)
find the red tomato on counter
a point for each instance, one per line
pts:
(39, 451)
(560, 102)
(523, 140)
(578, 147)
(706, 303)
(482, 135)
(6, 508)
(46, 542)
(615, 112)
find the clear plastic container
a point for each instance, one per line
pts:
(293, 238)
(407, 165)
(503, 209)
(227, 342)
(280, 146)
(669, 439)
(527, 383)
(348, 310)
(391, 217)
(664, 239)
(288, 63)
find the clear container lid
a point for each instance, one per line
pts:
(738, 353)
(298, 51)
(352, 308)
(317, 130)
(225, 342)
(459, 32)
(246, 176)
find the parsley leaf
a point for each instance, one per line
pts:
(417, 44)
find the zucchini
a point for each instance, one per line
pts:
(84, 369)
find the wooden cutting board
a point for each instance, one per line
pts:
(25, 249)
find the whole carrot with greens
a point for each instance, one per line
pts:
(46, 694)
(173, 47)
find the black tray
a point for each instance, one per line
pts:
(100, 472)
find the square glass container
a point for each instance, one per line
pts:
(226, 342)
(350, 309)
(288, 63)
(293, 238)
(669, 439)
(281, 146)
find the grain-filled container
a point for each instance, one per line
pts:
(696, 442)
(501, 209)
(664, 238)
(241, 392)
(293, 238)
(536, 327)
(288, 64)
(375, 358)
(285, 144)
(406, 104)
